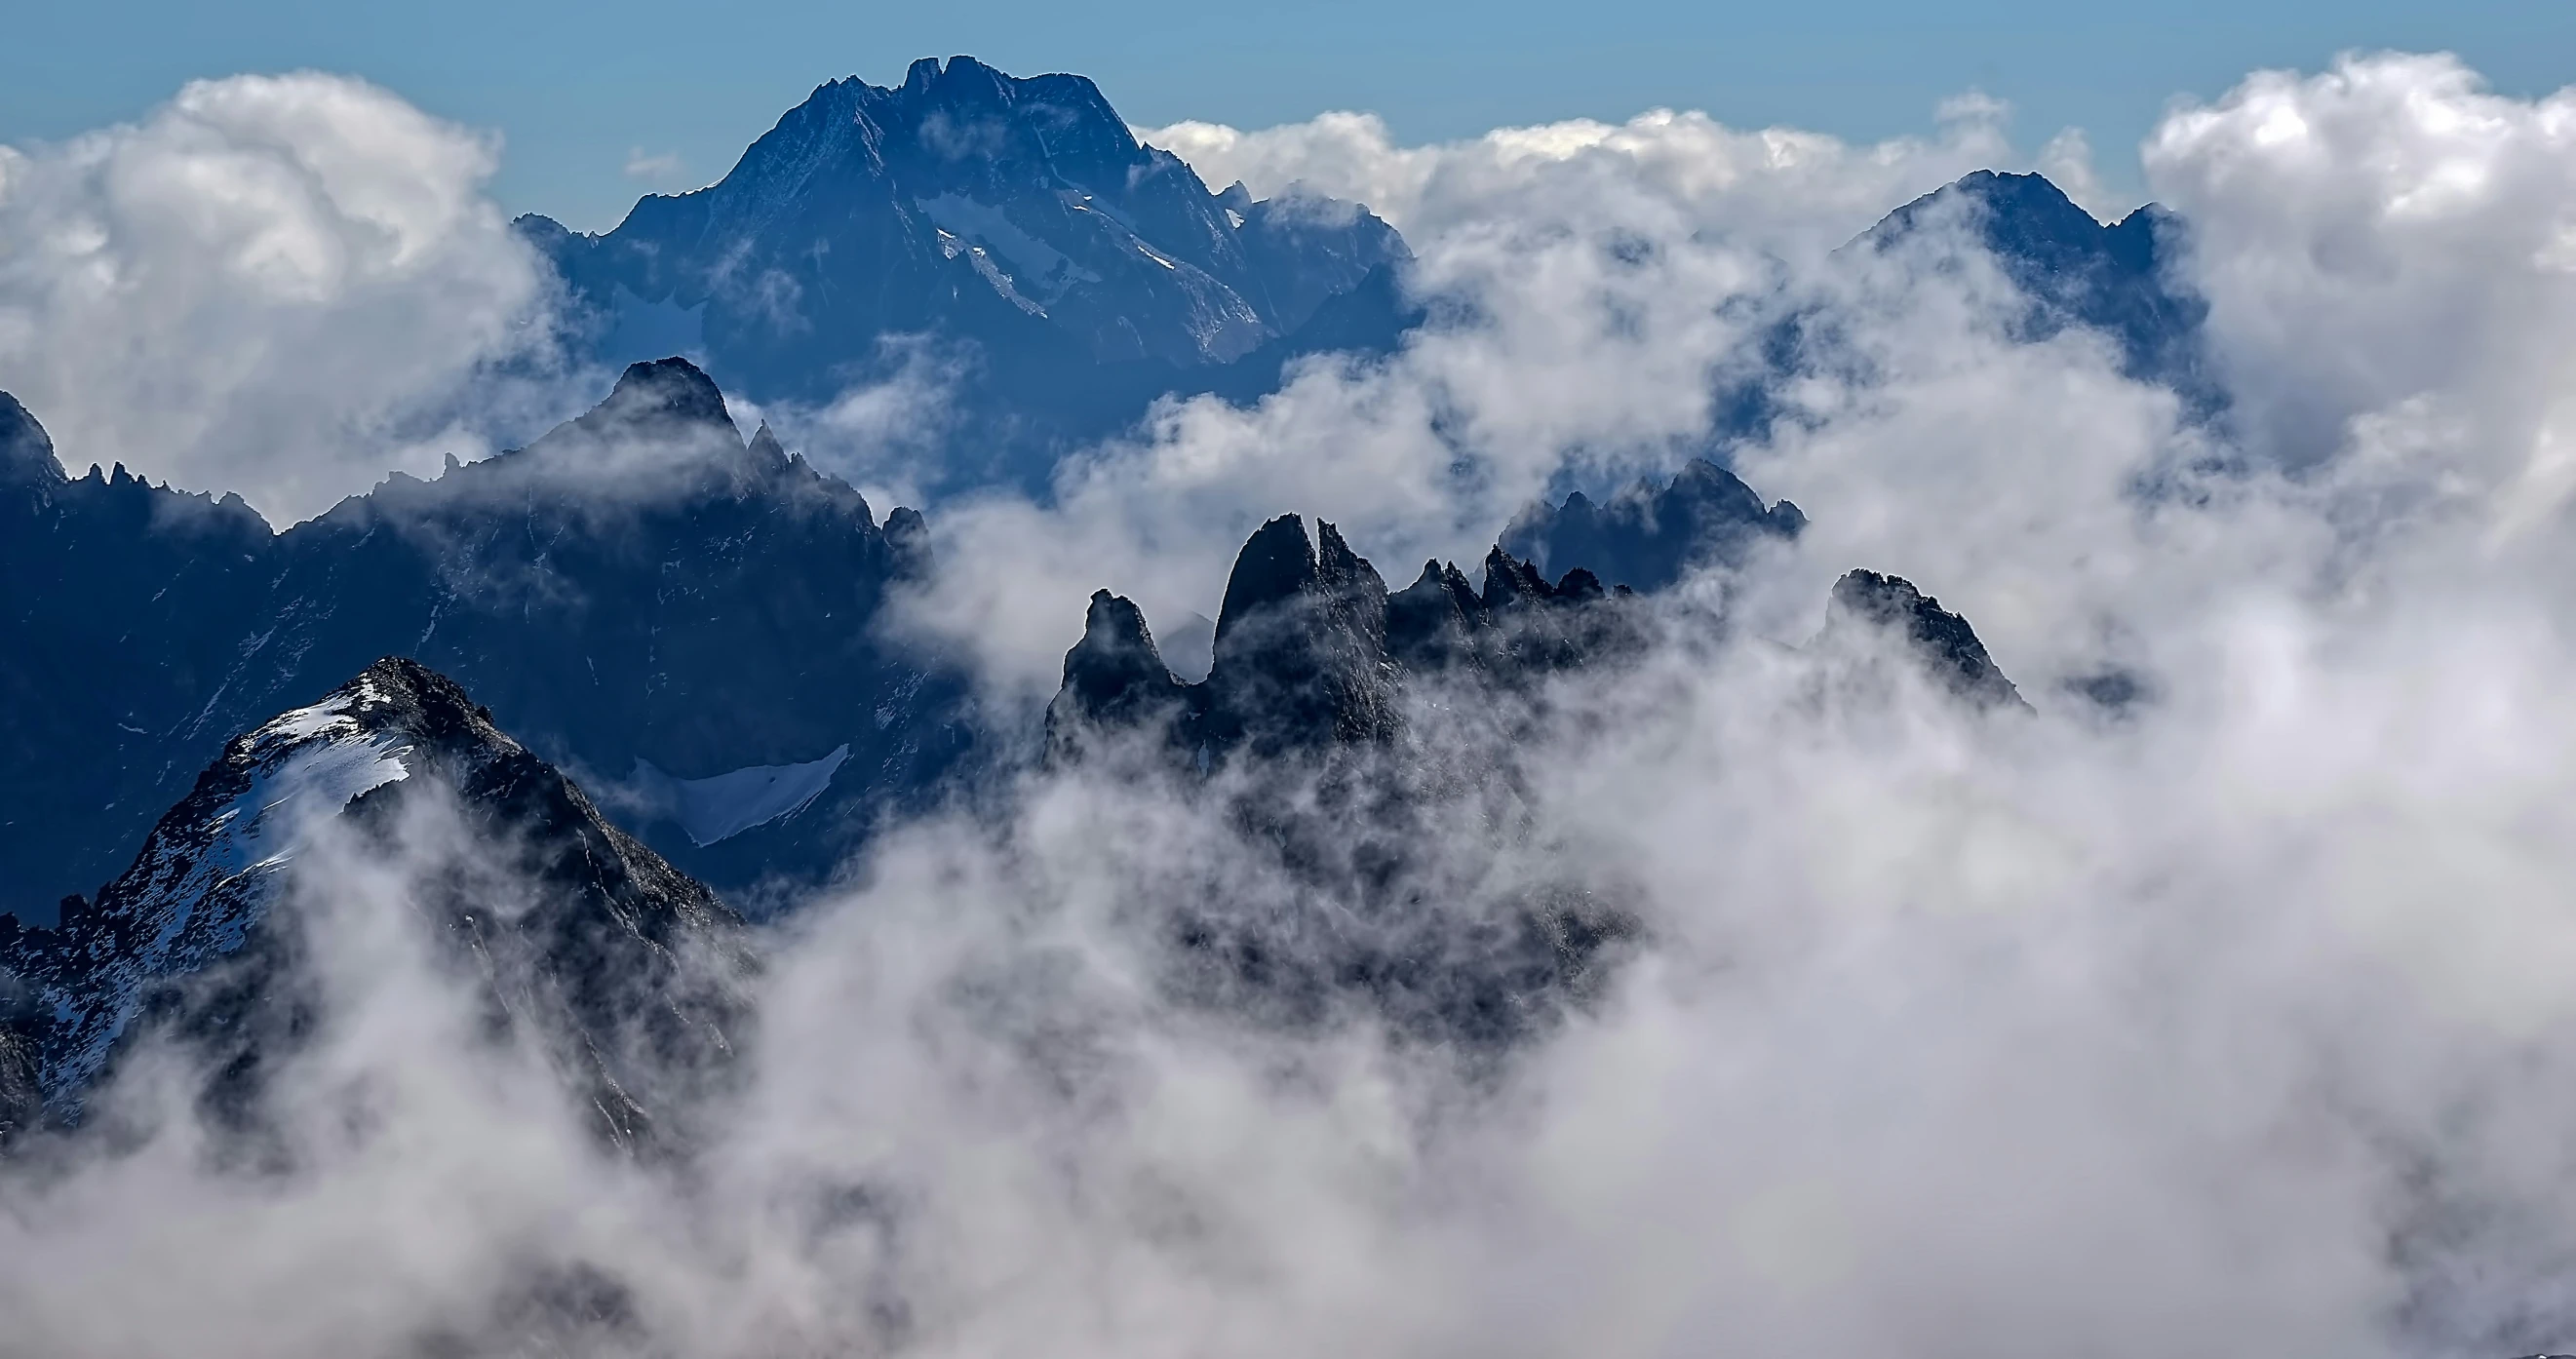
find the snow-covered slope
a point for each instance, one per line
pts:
(210, 869)
(722, 806)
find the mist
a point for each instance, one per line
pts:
(2226, 1016)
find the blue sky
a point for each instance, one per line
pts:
(576, 91)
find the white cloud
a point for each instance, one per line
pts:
(1777, 186)
(277, 285)
(2388, 242)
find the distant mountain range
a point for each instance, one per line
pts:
(1012, 236)
(685, 617)
(682, 620)
(1012, 228)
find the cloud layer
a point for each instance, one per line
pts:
(2231, 1019)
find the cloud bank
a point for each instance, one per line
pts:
(280, 285)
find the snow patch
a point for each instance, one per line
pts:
(975, 221)
(718, 808)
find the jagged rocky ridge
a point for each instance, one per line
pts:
(627, 972)
(1068, 273)
(1313, 651)
(1364, 746)
(1353, 817)
(683, 618)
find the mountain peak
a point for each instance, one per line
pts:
(599, 906)
(1647, 536)
(1013, 222)
(1277, 563)
(672, 389)
(1944, 639)
(2075, 270)
(1115, 674)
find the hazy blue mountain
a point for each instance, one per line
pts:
(1647, 536)
(682, 618)
(1015, 227)
(2074, 271)
(2117, 279)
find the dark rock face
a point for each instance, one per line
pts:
(1948, 646)
(1313, 653)
(1015, 224)
(123, 608)
(1300, 646)
(22, 1101)
(1647, 537)
(1114, 676)
(1367, 893)
(642, 595)
(628, 971)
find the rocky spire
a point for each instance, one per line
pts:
(1113, 675)
(1301, 644)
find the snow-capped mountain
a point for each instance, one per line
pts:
(624, 964)
(1015, 224)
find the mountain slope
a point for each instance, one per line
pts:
(646, 597)
(621, 964)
